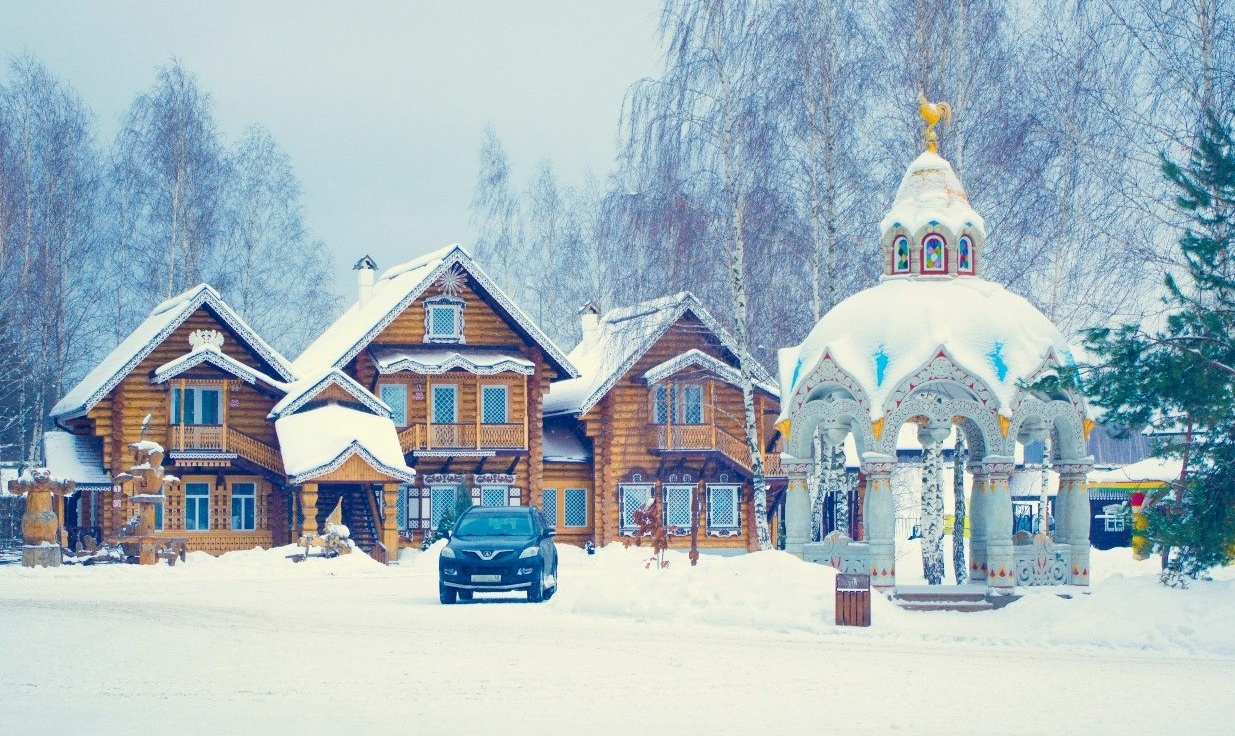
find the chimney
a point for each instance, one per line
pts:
(589, 318)
(367, 269)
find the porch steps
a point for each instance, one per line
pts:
(356, 514)
(965, 598)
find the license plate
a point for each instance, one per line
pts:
(486, 578)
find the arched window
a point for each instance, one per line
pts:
(934, 254)
(900, 254)
(964, 255)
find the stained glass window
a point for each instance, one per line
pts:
(575, 507)
(901, 255)
(677, 506)
(964, 255)
(933, 257)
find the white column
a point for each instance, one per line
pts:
(977, 524)
(1072, 515)
(797, 505)
(997, 509)
(879, 519)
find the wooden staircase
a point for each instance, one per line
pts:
(357, 513)
(967, 598)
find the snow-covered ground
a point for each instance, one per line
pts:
(252, 643)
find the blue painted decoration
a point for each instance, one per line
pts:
(996, 356)
(793, 382)
(881, 365)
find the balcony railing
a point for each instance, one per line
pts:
(217, 438)
(702, 437)
(464, 437)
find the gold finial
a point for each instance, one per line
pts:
(932, 113)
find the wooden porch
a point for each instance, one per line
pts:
(222, 439)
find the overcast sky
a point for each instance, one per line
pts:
(380, 105)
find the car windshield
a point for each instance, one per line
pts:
(495, 525)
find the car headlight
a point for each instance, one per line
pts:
(529, 552)
(448, 552)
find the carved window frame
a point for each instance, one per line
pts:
(439, 303)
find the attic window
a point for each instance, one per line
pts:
(934, 254)
(900, 254)
(964, 255)
(444, 320)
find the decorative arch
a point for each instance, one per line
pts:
(826, 375)
(833, 414)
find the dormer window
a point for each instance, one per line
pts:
(444, 320)
(964, 255)
(934, 254)
(900, 255)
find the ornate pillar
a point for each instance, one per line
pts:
(308, 503)
(879, 517)
(977, 524)
(997, 510)
(390, 524)
(1072, 515)
(797, 505)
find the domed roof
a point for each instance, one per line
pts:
(883, 334)
(931, 193)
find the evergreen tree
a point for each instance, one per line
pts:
(1183, 374)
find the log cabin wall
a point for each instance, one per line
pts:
(559, 478)
(625, 437)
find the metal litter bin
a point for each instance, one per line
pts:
(853, 600)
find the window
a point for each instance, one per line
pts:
(443, 502)
(394, 395)
(493, 496)
(723, 508)
(692, 404)
(493, 404)
(662, 399)
(677, 506)
(548, 505)
(195, 406)
(244, 507)
(444, 320)
(632, 497)
(964, 255)
(196, 507)
(575, 511)
(158, 513)
(403, 515)
(934, 254)
(900, 254)
(445, 404)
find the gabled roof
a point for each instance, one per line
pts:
(75, 458)
(620, 339)
(319, 441)
(395, 291)
(305, 390)
(212, 355)
(695, 358)
(162, 322)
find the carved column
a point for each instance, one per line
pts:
(879, 517)
(997, 510)
(1072, 515)
(308, 503)
(977, 524)
(797, 505)
(390, 524)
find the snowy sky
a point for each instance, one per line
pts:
(380, 105)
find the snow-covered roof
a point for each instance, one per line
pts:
(883, 334)
(695, 358)
(205, 353)
(440, 360)
(563, 445)
(619, 340)
(76, 458)
(931, 193)
(162, 322)
(318, 441)
(306, 389)
(1150, 470)
(394, 292)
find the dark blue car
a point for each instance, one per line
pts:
(497, 549)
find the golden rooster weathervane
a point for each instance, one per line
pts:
(932, 113)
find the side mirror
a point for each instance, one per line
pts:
(551, 532)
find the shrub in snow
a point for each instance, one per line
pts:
(649, 524)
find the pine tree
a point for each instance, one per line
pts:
(1182, 375)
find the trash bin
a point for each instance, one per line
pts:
(853, 600)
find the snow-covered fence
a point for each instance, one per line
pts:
(12, 508)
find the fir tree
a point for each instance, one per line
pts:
(1182, 374)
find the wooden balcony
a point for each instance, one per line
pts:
(707, 438)
(464, 437)
(222, 439)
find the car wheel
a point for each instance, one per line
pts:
(446, 594)
(465, 595)
(536, 593)
(549, 592)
